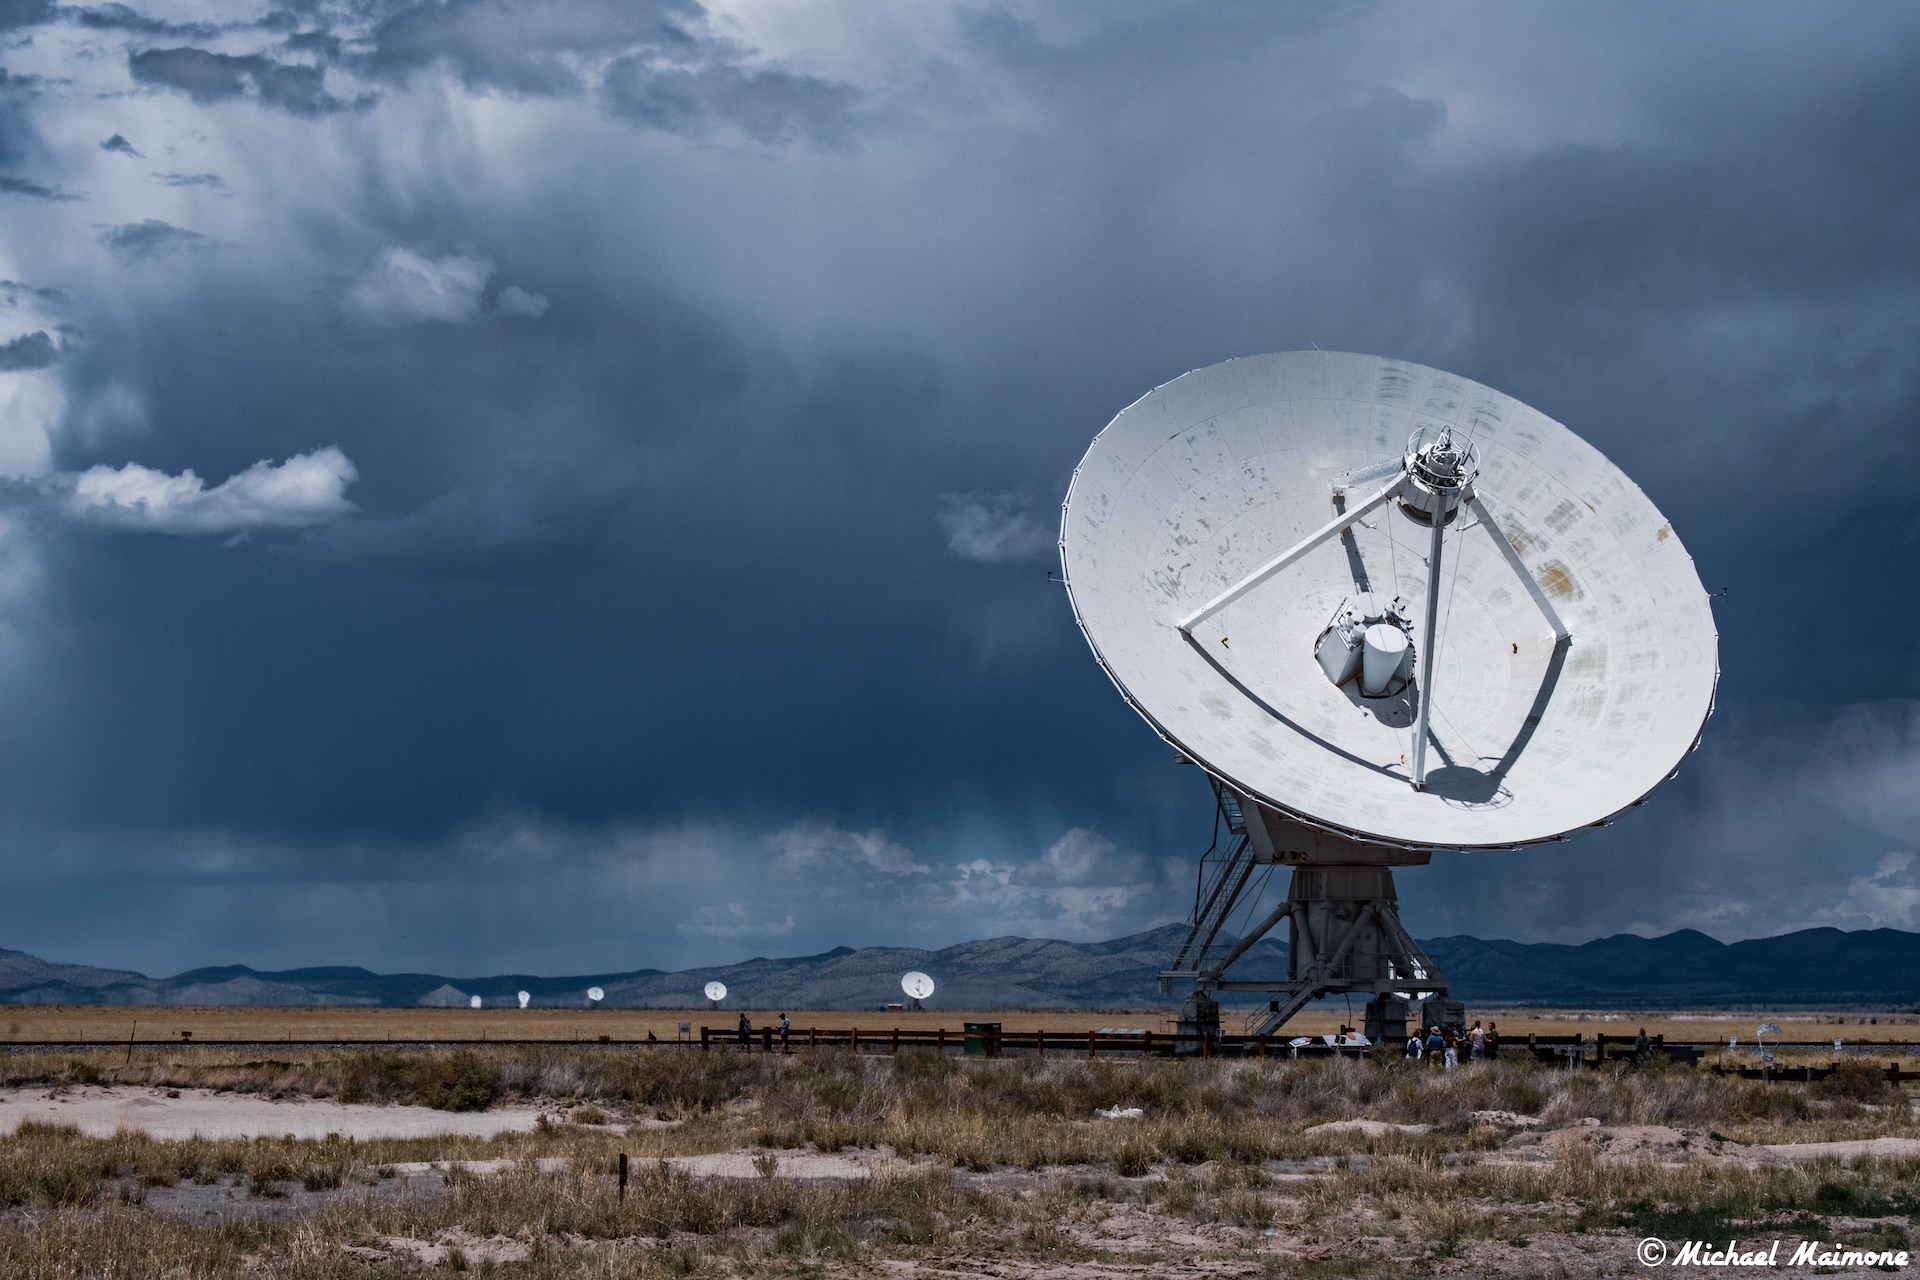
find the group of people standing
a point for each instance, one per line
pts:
(1442, 1046)
(746, 1033)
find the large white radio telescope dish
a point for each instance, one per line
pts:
(596, 995)
(716, 991)
(1564, 658)
(917, 985)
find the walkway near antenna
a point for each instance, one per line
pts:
(1388, 610)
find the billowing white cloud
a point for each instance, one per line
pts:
(1888, 897)
(993, 528)
(306, 489)
(32, 406)
(515, 301)
(1074, 857)
(404, 287)
(1083, 886)
(810, 841)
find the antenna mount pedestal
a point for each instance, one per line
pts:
(1343, 920)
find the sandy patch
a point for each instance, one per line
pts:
(1628, 1142)
(98, 1112)
(1372, 1128)
(1886, 1148)
(470, 1249)
(816, 1166)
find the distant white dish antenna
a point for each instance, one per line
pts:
(917, 985)
(596, 995)
(716, 991)
(524, 997)
(473, 1002)
(1388, 610)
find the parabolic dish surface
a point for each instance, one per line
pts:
(1204, 478)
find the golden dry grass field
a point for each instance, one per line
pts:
(156, 1023)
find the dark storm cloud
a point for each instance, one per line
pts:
(150, 239)
(695, 595)
(120, 144)
(205, 76)
(768, 106)
(664, 69)
(655, 64)
(525, 47)
(39, 191)
(15, 14)
(120, 17)
(28, 351)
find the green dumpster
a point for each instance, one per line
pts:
(983, 1038)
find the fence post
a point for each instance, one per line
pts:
(896, 1041)
(942, 1041)
(1090, 1036)
(703, 1037)
(1040, 1043)
(855, 1032)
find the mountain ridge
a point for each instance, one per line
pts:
(1811, 968)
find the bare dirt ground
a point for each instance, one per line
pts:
(190, 1113)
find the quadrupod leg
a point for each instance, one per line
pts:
(1519, 568)
(1428, 653)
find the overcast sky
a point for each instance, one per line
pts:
(568, 485)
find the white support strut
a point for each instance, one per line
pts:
(1287, 557)
(1427, 654)
(1514, 562)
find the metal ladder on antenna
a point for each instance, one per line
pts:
(1294, 997)
(1222, 884)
